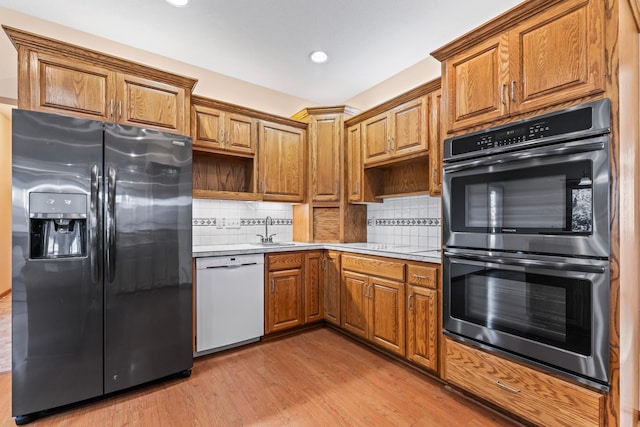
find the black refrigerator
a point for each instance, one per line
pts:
(102, 279)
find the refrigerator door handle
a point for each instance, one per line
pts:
(111, 224)
(93, 225)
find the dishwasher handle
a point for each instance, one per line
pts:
(210, 267)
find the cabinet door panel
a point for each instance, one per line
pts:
(386, 326)
(284, 294)
(282, 163)
(410, 127)
(332, 288)
(355, 172)
(354, 303)
(569, 43)
(325, 160)
(476, 84)
(313, 282)
(422, 327)
(59, 85)
(208, 127)
(151, 104)
(375, 139)
(241, 133)
(435, 144)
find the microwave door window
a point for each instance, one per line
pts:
(553, 199)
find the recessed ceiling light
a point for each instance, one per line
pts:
(178, 3)
(318, 56)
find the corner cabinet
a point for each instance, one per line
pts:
(282, 162)
(61, 78)
(490, 77)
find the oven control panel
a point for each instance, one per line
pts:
(571, 120)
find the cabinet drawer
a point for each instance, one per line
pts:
(538, 397)
(373, 266)
(285, 261)
(422, 275)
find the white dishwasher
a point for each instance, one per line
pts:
(229, 301)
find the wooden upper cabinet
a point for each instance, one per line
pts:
(376, 139)
(568, 40)
(476, 81)
(326, 159)
(218, 131)
(435, 144)
(409, 127)
(282, 162)
(147, 103)
(487, 78)
(62, 78)
(355, 172)
(59, 85)
(397, 133)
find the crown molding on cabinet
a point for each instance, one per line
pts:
(498, 25)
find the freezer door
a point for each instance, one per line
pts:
(57, 316)
(148, 320)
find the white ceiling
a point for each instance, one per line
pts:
(267, 42)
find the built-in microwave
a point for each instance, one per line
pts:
(540, 185)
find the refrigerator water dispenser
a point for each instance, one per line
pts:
(58, 225)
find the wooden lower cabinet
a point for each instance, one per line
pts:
(284, 292)
(535, 396)
(422, 326)
(331, 287)
(373, 307)
(423, 315)
(313, 295)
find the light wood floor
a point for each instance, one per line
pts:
(316, 378)
(5, 333)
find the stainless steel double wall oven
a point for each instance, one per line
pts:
(526, 236)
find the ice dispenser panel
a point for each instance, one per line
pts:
(58, 225)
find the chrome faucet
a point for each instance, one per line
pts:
(267, 238)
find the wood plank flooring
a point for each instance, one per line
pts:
(316, 378)
(5, 333)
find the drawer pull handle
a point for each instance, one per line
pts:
(417, 276)
(506, 387)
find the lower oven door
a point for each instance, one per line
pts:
(548, 311)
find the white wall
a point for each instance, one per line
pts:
(420, 73)
(210, 84)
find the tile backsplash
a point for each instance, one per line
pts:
(405, 221)
(402, 221)
(218, 222)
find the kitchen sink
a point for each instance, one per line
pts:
(272, 244)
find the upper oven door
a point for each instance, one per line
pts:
(552, 199)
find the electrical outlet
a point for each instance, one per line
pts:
(233, 223)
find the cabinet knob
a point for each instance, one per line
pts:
(513, 90)
(502, 100)
(409, 303)
(120, 109)
(273, 285)
(506, 387)
(221, 136)
(111, 108)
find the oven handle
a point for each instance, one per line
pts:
(563, 266)
(568, 148)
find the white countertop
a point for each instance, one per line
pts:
(411, 253)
